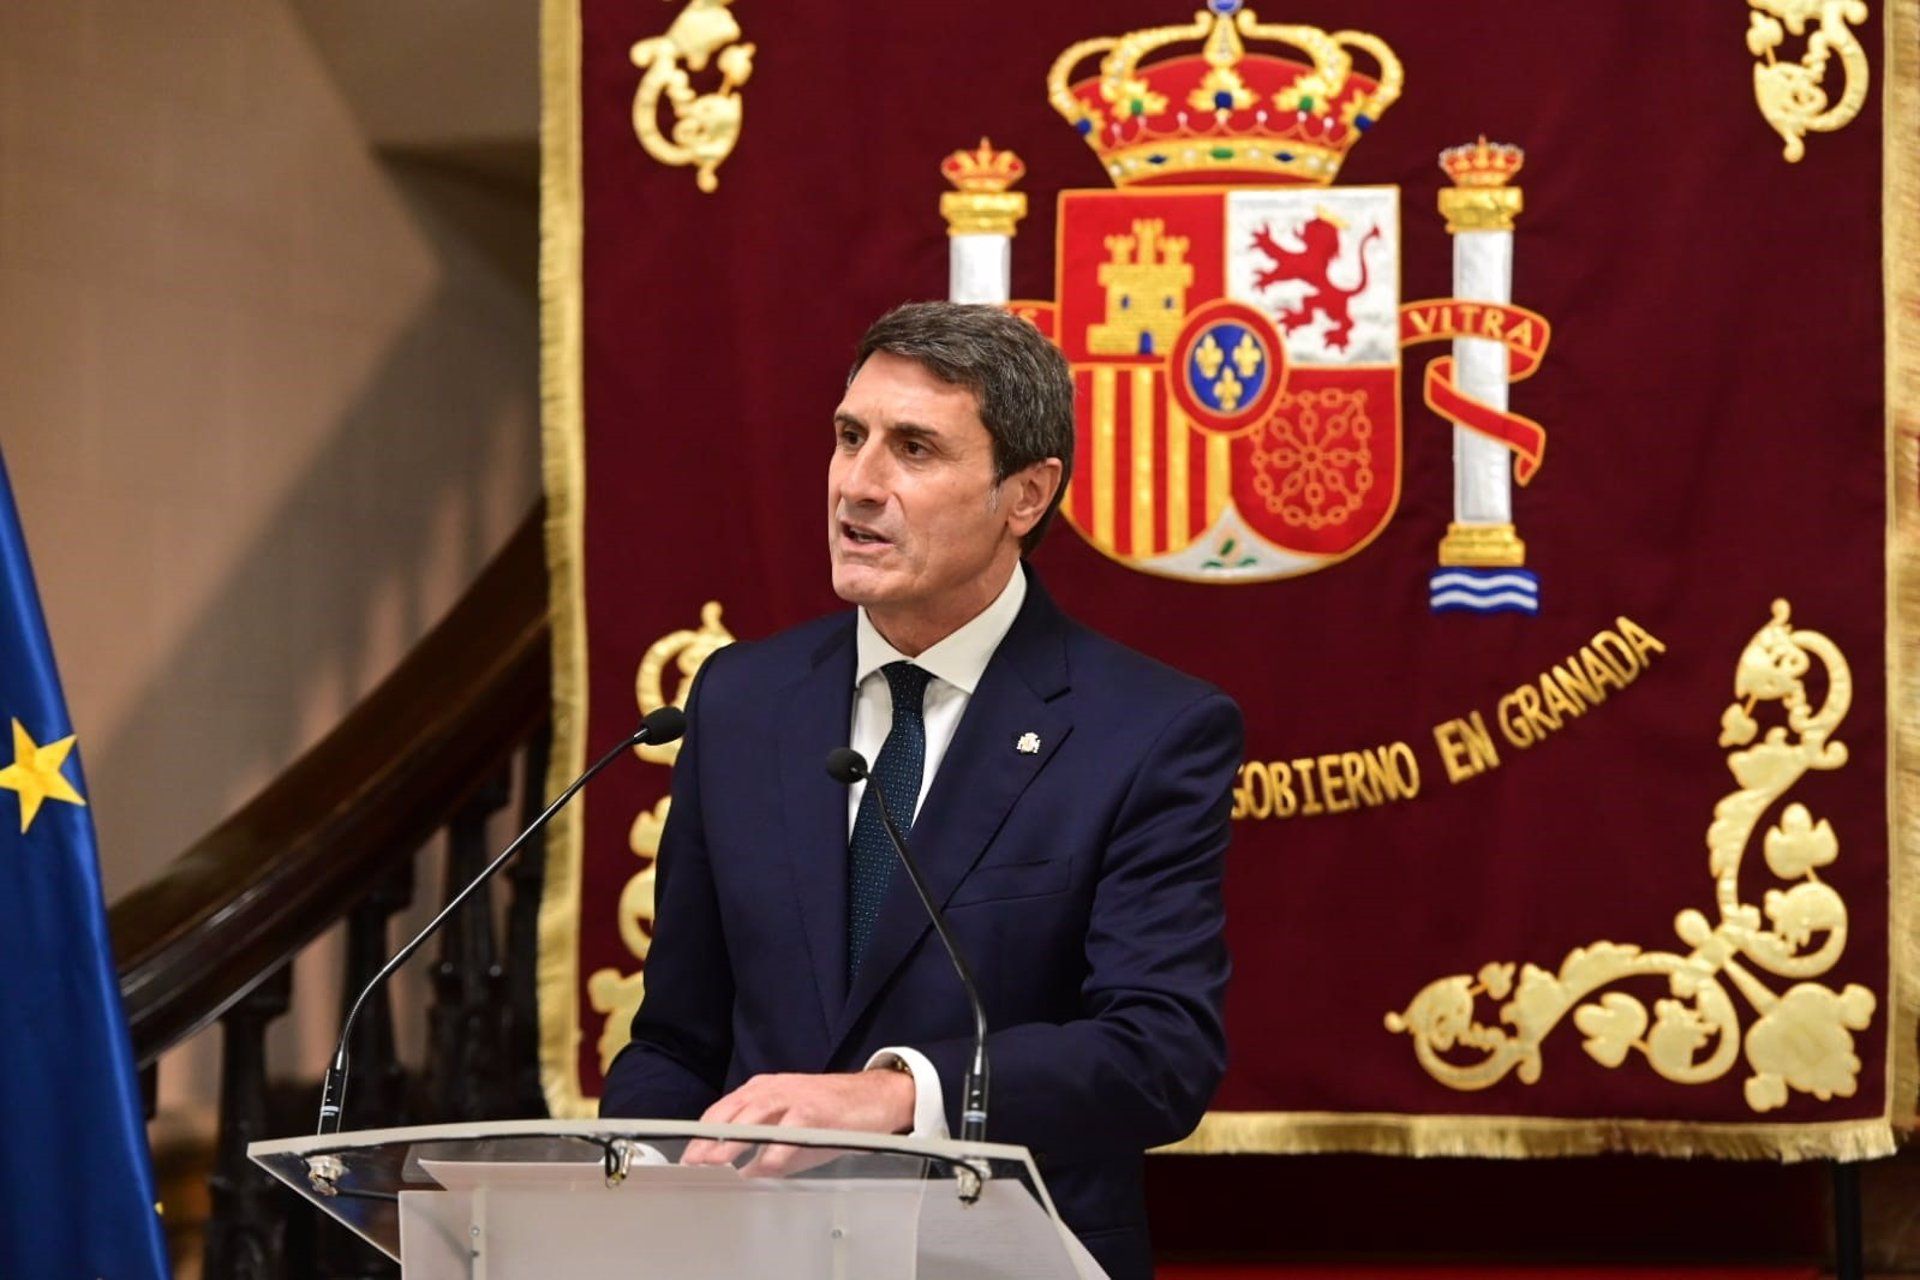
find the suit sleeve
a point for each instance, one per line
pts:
(1139, 1067)
(675, 1065)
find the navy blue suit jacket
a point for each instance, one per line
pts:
(1082, 882)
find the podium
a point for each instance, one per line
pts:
(590, 1198)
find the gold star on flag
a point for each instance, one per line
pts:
(35, 774)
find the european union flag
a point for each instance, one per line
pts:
(76, 1189)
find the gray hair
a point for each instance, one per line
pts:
(1019, 380)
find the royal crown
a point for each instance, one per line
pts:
(1222, 114)
(980, 204)
(1482, 163)
(1481, 197)
(983, 168)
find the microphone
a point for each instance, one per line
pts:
(662, 726)
(847, 766)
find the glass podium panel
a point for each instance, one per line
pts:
(562, 1198)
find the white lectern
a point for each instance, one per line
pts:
(597, 1198)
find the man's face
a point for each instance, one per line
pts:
(914, 520)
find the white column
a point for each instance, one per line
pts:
(1480, 208)
(981, 215)
(979, 268)
(1482, 468)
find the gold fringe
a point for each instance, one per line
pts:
(1525, 1137)
(1900, 232)
(563, 467)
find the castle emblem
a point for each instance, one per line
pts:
(1234, 320)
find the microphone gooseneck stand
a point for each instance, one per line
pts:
(847, 766)
(662, 726)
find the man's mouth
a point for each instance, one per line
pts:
(862, 536)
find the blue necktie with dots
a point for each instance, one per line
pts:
(897, 769)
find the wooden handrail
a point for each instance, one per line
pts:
(265, 882)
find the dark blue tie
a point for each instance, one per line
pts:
(896, 770)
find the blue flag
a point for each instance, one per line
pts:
(76, 1187)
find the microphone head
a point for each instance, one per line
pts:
(846, 766)
(665, 725)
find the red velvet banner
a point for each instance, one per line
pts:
(1573, 816)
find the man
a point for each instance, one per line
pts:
(1068, 801)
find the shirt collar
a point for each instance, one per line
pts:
(959, 658)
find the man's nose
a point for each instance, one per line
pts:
(865, 478)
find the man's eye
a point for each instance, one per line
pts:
(849, 437)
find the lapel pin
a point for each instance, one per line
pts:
(1028, 745)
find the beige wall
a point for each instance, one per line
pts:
(268, 402)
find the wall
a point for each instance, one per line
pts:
(268, 400)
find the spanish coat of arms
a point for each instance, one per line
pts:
(1234, 320)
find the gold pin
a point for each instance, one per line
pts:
(1028, 745)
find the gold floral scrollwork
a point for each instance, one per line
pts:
(615, 994)
(705, 125)
(1803, 1037)
(685, 651)
(1793, 95)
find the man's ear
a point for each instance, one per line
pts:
(1029, 492)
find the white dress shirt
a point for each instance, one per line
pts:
(956, 664)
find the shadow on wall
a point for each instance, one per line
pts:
(431, 466)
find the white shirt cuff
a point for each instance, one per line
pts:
(929, 1103)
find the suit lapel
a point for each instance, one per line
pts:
(982, 775)
(813, 722)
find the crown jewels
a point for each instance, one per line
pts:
(1222, 114)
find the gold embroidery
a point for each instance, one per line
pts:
(981, 204)
(1246, 356)
(563, 450)
(1105, 427)
(1140, 401)
(1482, 546)
(1219, 475)
(616, 995)
(1179, 497)
(1480, 199)
(1803, 1037)
(1900, 222)
(1792, 95)
(1209, 357)
(1129, 115)
(706, 125)
(1316, 443)
(1132, 98)
(686, 650)
(1227, 389)
(1221, 90)
(1146, 277)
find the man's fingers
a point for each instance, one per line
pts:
(771, 1161)
(746, 1105)
(777, 1160)
(872, 1101)
(705, 1150)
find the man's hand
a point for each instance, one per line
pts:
(875, 1101)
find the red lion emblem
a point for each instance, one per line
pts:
(1313, 262)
